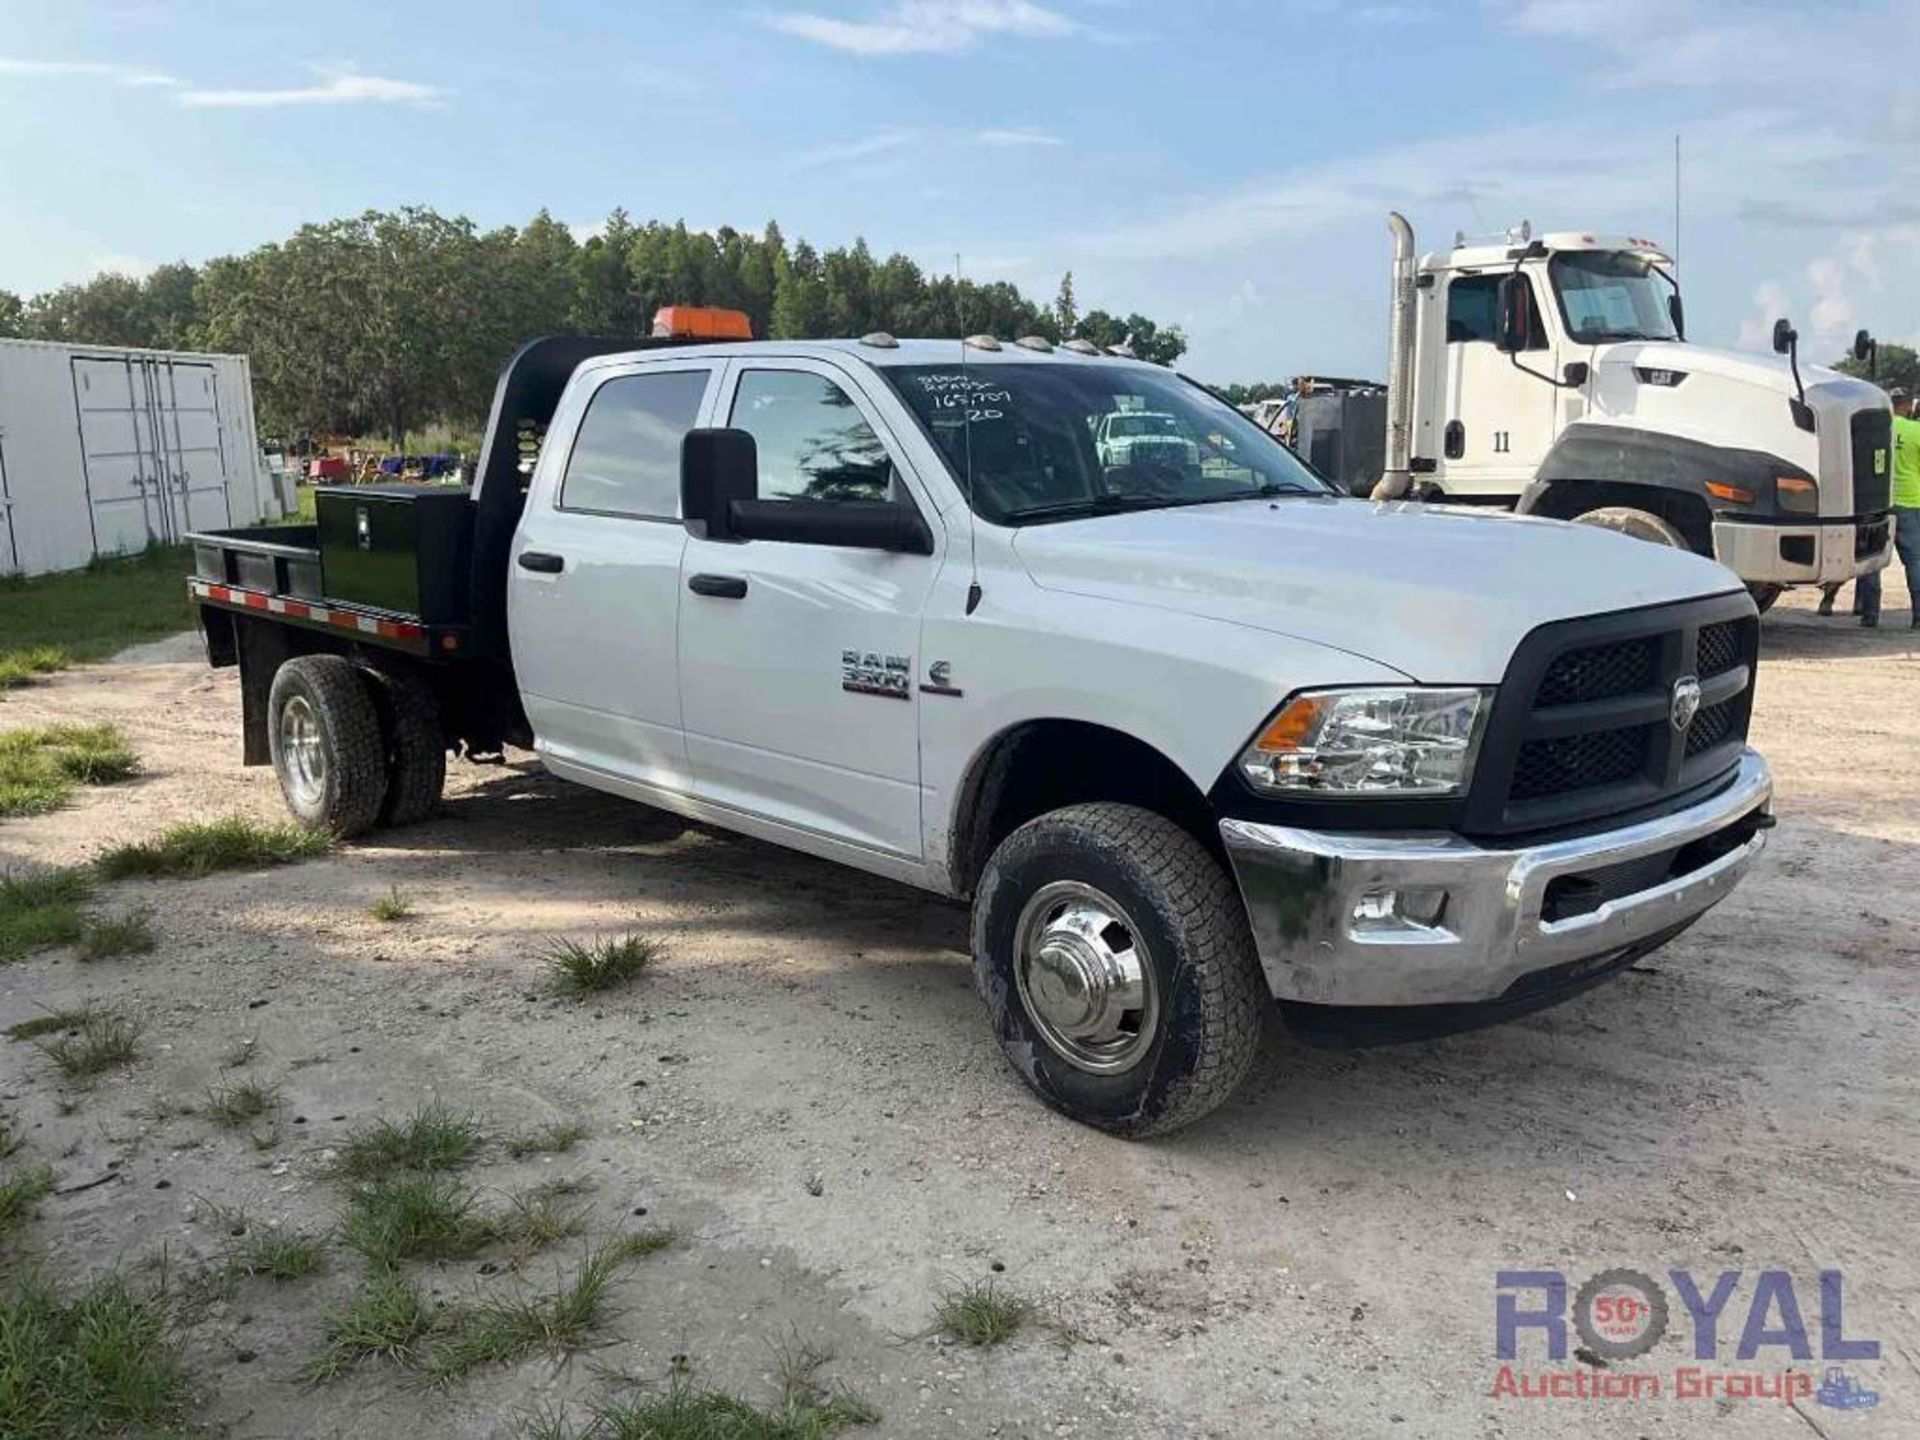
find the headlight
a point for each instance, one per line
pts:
(1342, 742)
(1797, 494)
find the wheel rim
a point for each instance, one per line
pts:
(1085, 978)
(303, 756)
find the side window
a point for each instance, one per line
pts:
(1473, 311)
(626, 458)
(813, 442)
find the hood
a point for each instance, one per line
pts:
(1768, 372)
(1441, 594)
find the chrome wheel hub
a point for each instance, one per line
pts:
(1084, 979)
(303, 757)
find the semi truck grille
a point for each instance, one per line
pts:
(1583, 728)
(1872, 434)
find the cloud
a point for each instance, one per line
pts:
(332, 88)
(927, 27)
(109, 70)
(1014, 137)
(885, 142)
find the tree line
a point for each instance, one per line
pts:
(390, 320)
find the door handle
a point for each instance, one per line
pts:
(541, 562)
(720, 587)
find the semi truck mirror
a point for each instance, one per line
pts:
(1511, 335)
(1783, 337)
(717, 467)
(1677, 312)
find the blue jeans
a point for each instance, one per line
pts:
(1906, 544)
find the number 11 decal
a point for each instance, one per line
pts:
(1502, 442)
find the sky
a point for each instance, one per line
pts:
(1225, 165)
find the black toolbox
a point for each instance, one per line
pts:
(403, 549)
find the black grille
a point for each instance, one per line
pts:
(1724, 645)
(1579, 762)
(1711, 727)
(1872, 435)
(1599, 672)
(1582, 728)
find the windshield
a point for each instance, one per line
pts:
(1611, 295)
(1052, 441)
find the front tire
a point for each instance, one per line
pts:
(324, 735)
(1641, 524)
(1115, 960)
(1764, 594)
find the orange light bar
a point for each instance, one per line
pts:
(1737, 494)
(701, 322)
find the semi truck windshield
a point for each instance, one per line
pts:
(1611, 295)
(1034, 442)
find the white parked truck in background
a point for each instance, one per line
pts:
(1552, 375)
(1192, 732)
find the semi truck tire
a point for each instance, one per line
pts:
(1641, 524)
(416, 751)
(1764, 594)
(324, 735)
(1115, 960)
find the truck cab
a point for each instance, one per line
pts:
(1553, 374)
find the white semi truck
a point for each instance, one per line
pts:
(1552, 375)
(1193, 733)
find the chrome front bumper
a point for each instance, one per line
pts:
(1754, 552)
(1314, 899)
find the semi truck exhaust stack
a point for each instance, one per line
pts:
(1397, 478)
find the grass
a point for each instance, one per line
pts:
(39, 909)
(387, 1319)
(574, 968)
(103, 1363)
(392, 907)
(39, 767)
(982, 1314)
(53, 621)
(539, 1218)
(556, 1139)
(118, 936)
(413, 1217)
(202, 847)
(51, 1023)
(494, 1332)
(19, 1194)
(239, 1102)
(432, 1138)
(807, 1409)
(103, 1041)
(277, 1254)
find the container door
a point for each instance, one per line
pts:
(119, 453)
(187, 409)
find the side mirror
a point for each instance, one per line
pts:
(1784, 337)
(1512, 330)
(717, 468)
(1862, 345)
(1677, 313)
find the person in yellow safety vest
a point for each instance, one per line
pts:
(1906, 515)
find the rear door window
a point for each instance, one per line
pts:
(626, 458)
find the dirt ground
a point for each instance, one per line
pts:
(1316, 1259)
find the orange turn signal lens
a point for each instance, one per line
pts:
(1737, 494)
(1797, 493)
(1296, 723)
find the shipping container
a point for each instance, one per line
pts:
(106, 450)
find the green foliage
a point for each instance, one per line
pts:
(239, 1102)
(982, 1314)
(20, 1193)
(54, 1022)
(118, 935)
(104, 1363)
(197, 848)
(389, 320)
(277, 1255)
(413, 1217)
(51, 621)
(808, 1409)
(387, 1319)
(392, 907)
(1896, 367)
(1253, 394)
(433, 1138)
(40, 908)
(104, 1041)
(39, 767)
(556, 1139)
(577, 969)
